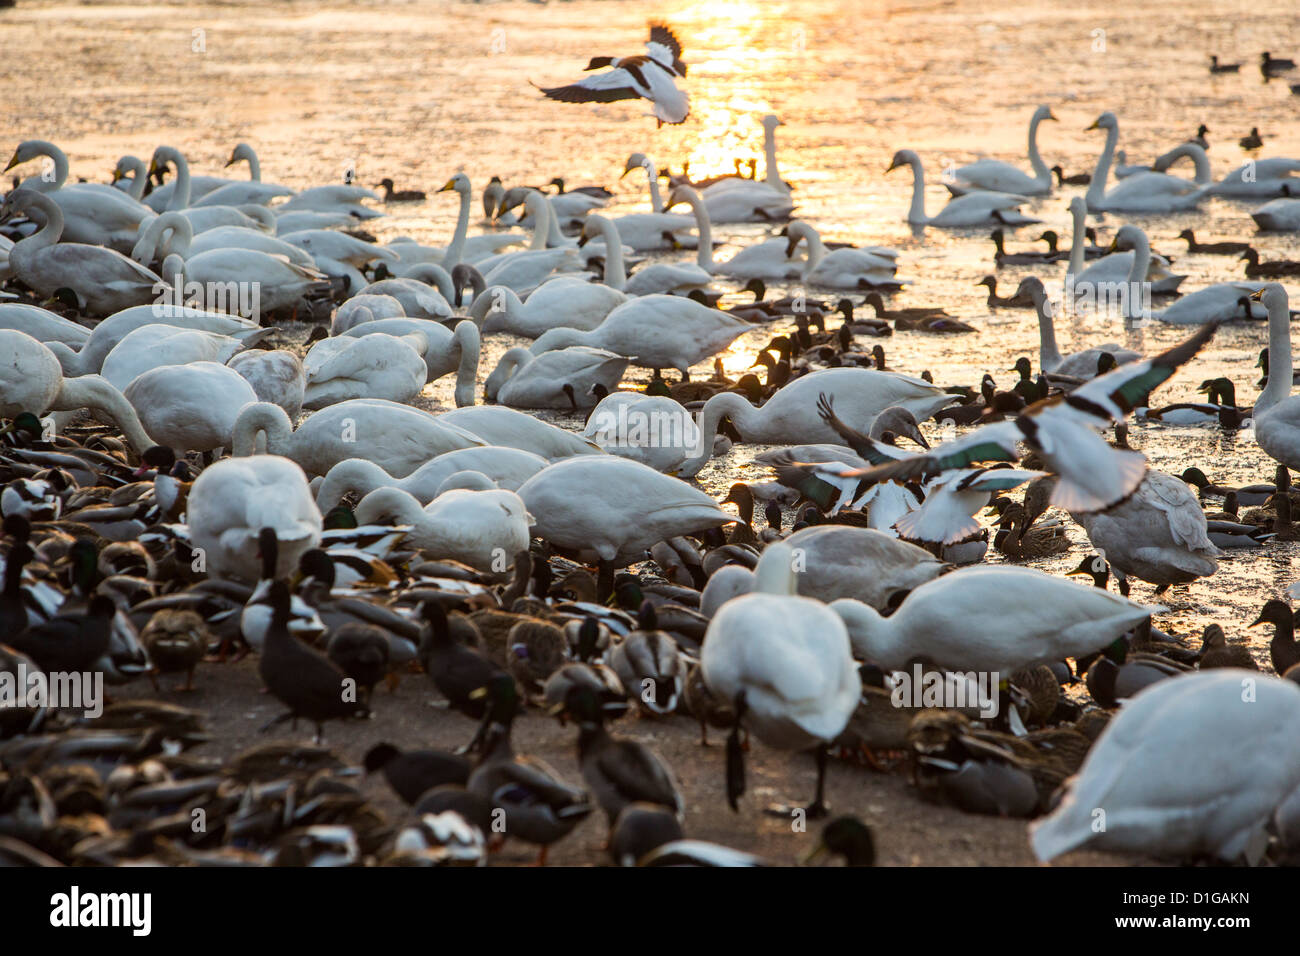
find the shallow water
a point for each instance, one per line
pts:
(419, 91)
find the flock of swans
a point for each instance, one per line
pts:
(189, 481)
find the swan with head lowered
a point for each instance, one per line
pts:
(482, 528)
(505, 467)
(234, 499)
(89, 359)
(397, 438)
(995, 175)
(1143, 192)
(655, 331)
(791, 417)
(1174, 777)
(190, 407)
(424, 291)
(1081, 364)
(154, 345)
(203, 218)
(1260, 179)
(377, 365)
(991, 618)
(43, 325)
(31, 380)
(241, 192)
(562, 377)
(979, 208)
(498, 425)
(614, 508)
(93, 213)
(562, 302)
(443, 350)
(278, 281)
(103, 280)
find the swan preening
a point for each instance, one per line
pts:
(230, 403)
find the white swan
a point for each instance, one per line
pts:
(365, 307)
(991, 618)
(277, 376)
(785, 663)
(1277, 411)
(770, 259)
(841, 561)
(376, 365)
(129, 176)
(240, 192)
(42, 324)
(443, 350)
(1114, 274)
(1280, 215)
(506, 467)
(525, 271)
(151, 346)
(979, 208)
(1260, 179)
(614, 507)
(1158, 534)
(241, 237)
(190, 407)
(161, 199)
(107, 334)
(423, 291)
(333, 199)
(995, 175)
(1189, 767)
(655, 331)
(654, 430)
(571, 303)
(464, 247)
(1193, 151)
(790, 416)
(498, 425)
(1143, 192)
(1220, 302)
(484, 529)
(233, 500)
(556, 378)
(31, 380)
(103, 280)
(841, 268)
(93, 213)
(649, 231)
(1081, 364)
(398, 438)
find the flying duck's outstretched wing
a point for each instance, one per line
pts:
(607, 87)
(664, 46)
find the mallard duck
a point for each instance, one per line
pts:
(457, 671)
(649, 665)
(1169, 772)
(176, 641)
(71, 642)
(640, 828)
(300, 677)
(848, 838)
(1284, 652)
(536, 650)
(618, 770)
(361, 652)
(1217, 652)
(412, 773)
(1017, 540)
(538, 806)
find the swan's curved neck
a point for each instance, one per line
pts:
(396, 502)
(916, 214)
(49, 234)
(1137, 272)
(430, 273)
(743, 415)
(509, 363)
(704, 230)
(352, 475)
(615, 269)
(254, 166)
(60, 160)
(95, 392)
(179, 235)
(265, 419)
(652, 174)
(1279, 357)
(816, 248)
(1049, 356)
(775, 573)
(773, 177)
(1041, 172)
(457, 247)
(133, 172)
(541, 210)
(1195, 153)
(1097, 188)
(181, 191)
(466, 340)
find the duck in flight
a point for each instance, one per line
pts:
(649, 77)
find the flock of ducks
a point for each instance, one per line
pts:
(186, 484)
